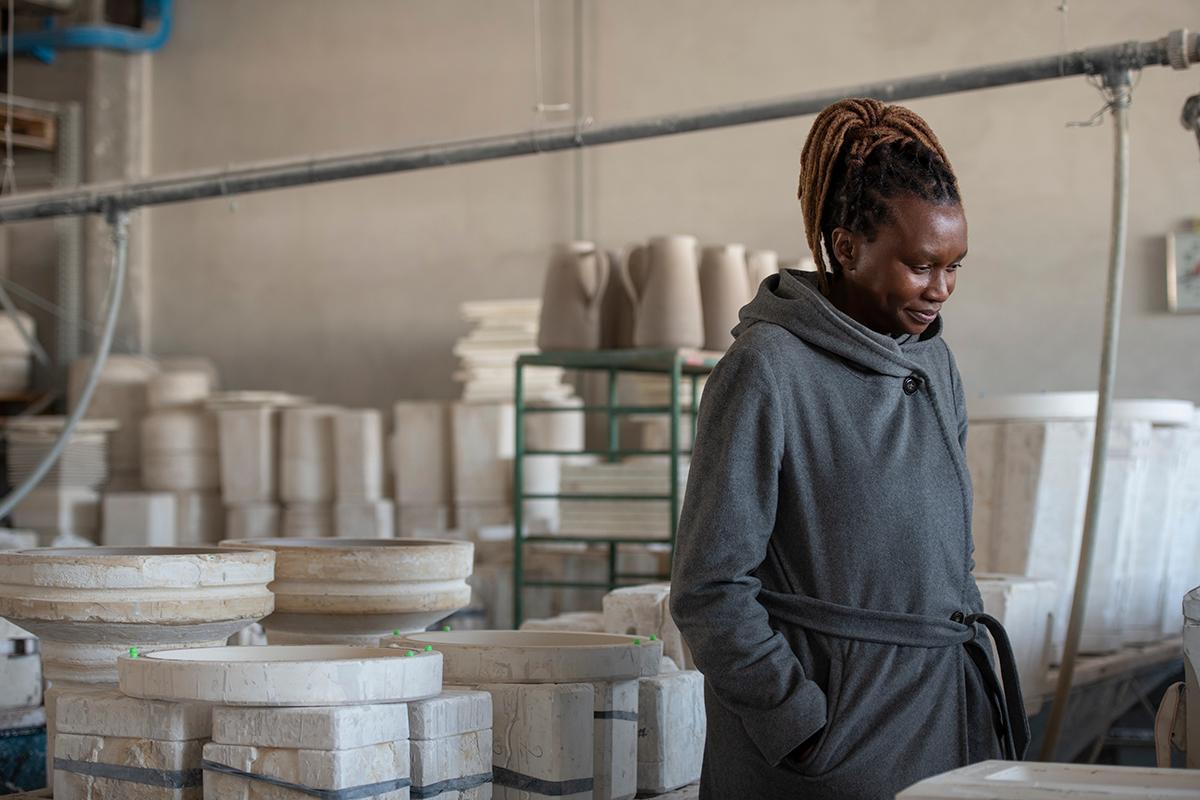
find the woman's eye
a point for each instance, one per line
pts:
(919, 270)
(953, 267)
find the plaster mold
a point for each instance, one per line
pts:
(110, 713)
(455, 763)
(307, 455)
(418, 521)
(91, 767)
(483, 449)
(453, 712)
(248, 443)
(542, 738)
(328, 728)
(645, 611)
(199, 518)
(253, 521)
(55, 511)
(139, 519)
(307, 521)
(420, 448)
(1005, 780)
(365, 519)
(120, 395)
(1026, 607)
(572, 621)
(615, 740)
(364, 587)
(318, 772)
(273, 675)
(89, 605)
(474, 657)
(671, 729)
(178, 387)
(358, 438)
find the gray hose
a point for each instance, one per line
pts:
(119, 220)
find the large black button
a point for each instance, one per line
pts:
(911, 384)
(957, 616)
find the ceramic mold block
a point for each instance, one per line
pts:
(249, 440)
(87, 767)
(453, 712)
(645, 611)
(59, 509)
(322, 770)
(181, 472)
(358, 445)
(365, 519)
(296, 675)
(413, 520)
(483, 451)
(307, 521)
(615, 740)
(327, 728)
(218, 786)
(545, 746)
(199, 518)
(21, 681)
(253, 521)
(421, 449)
(110, 713)
(473, 517)
(1005, 780)
(671, 729)
(139, 519)
(452, 763)
(307, 459)
(1025, 606)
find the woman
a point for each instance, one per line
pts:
(822, 572)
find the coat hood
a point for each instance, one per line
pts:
(793, 301)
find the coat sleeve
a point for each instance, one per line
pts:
(974, 598)
(726, 523)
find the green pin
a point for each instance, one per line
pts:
(133, 652)
(445, 628)
(653, 638)
(395, 633)
(637, 642)
(410, 653)
(428, 648)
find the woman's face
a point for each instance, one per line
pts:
(898, 283)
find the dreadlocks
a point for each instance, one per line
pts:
(859, 153)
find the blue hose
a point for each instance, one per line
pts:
(43, 45)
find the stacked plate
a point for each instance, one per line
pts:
(503, 330)
(619, 518)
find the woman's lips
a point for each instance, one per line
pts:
(923, 317)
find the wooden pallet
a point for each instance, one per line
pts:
(31, 128)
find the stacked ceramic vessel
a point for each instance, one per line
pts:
(120, 395)
(248, 426)
(15, 350)
(638, 519)
(421, 467)
(66, 503)
(482, 447)
(307, 470)
(567, 704)
(361, 511)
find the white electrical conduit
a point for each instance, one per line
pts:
(1118, 86)
(119, 221)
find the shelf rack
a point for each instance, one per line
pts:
(676, 365)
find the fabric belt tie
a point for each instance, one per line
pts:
(919, 630)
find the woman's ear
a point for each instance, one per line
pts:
(843, 248)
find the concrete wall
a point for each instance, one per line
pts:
(349, 291)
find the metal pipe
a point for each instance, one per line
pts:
(1178, 49)
(119, 220)
(1118, 84)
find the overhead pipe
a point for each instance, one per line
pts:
(1178, 49)
(1118, 86)
(43, 45)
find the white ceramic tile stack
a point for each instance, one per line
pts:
(503, 330)
(646, 611)
(361, 511)
(1004, 780)
(87, 606)
(353, 591)
(67, 501)
(421, 467)
(248, 426)
(1156, 517)
(121, 395)
(567, 702)
(1025, 606)
(110, 745)
(641, 519)
(1191, 668)
(307, 470)
(180, 453)
(15, 351)
(306, 720)
(483, 441)
(1029, 456)
(450, 741)
(1182, 571)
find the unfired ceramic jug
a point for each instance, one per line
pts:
(760, 265)
(665, 278)
(723, 291)
(571, 295)
(618, 306)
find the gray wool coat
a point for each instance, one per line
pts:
(822, 572)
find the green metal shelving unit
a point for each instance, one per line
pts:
(677, 365)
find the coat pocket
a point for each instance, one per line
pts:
(814, 761)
